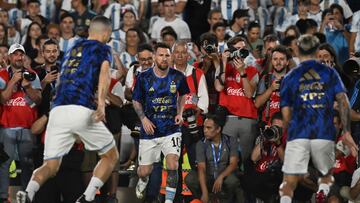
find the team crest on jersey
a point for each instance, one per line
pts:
(87, 22)
(151, 89)
(173, 87)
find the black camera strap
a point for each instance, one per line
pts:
(195, 80)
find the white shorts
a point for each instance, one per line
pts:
(68, 122)
(299, 151)
(150, 149)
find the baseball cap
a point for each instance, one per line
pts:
(15, 47)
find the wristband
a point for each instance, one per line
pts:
(243, 75)
(219, 78)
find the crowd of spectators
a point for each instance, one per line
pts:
(234, 54)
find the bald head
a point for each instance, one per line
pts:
(100, 29)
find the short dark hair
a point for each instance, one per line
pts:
(66, 15)
(162, 1)
(337, 6)
(33, 1)
(217, 121)
(234, 40)
(161, 45)
(168, 30)
(41, 37)
(287, 40)
(271, 38)
(276, 116)
(211, 12)
(282, 49)
(49, 42)
(143, 47)
(320, 36)
(217, 25)
(253, 24)
(210, 38)
(4, 45)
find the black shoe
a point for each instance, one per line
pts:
(22, 197)
(82, 200)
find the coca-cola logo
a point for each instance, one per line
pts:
(188, 99)
(274, 105)
(19, 101)
(235, 92)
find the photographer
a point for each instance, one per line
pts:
(210, 62)
(197, 101)
(20, 93)
(217, 159)
(263, 171)
(237, 85)
(268, 92)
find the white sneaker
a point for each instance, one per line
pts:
(141, 187)
(22, 197)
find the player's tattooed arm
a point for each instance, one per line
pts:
(138, 109)
(344, 110)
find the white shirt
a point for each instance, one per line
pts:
(202, 93)
(181, 28)
(66, 44)
(355, 27)
(113, 12)
(227, 12)
(48, 9)
(66, 6)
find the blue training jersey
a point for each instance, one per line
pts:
(80, 72)
(158, 97)
(310, 90)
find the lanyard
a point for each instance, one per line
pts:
(216, 160)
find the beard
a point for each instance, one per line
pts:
(162, 66)
(280, 70)
(50, 60)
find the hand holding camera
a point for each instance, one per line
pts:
(273, 134)
(275, 86)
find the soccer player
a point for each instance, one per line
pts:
(158, 99)
(75, 113)
(307, 96)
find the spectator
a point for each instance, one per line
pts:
(302, 13)
(48, 9)
(3, 34)
(236, 85)
(4, 58)
(4, 17)
(255, 42)
(239, 22)
(228, 8)
(307, 26)
(115, 12)
(39, 60)
(315, 11)
(263, 64)
(354, 44)
(19, 113)
(219, 31)
(169, 36)
(214, 16)
(278, 14)
(170, 19)
(82, 16)
(68, 37)
(291, 44)
(333, 27)
(217, 158)
(268, 90)
(134, 37)
(292, 30)
(34, 15)
(34, 31)
(347, 10)
(53, 31)
(196, 15)
(260, 15)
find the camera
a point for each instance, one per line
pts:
(239, 53)
(273, 133)
(279, 82)
(210, 48)
(29, 76)
(189, 116)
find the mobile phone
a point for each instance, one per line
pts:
(259, 47)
